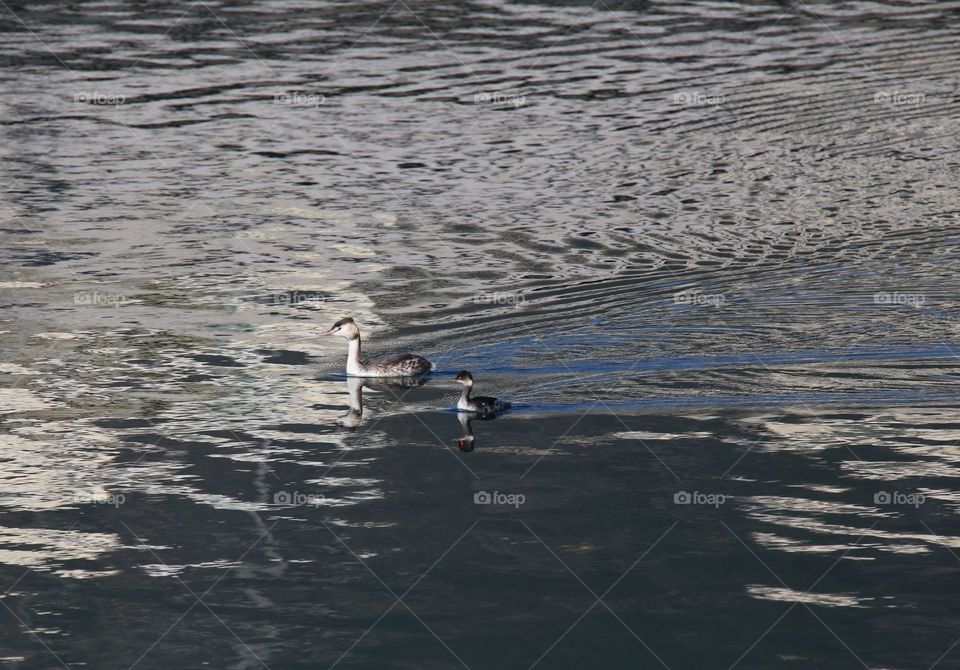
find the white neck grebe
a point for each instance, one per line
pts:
(480, 404)
(389, 365)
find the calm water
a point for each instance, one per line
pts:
(708, 249)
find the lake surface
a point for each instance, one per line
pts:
(707, 249)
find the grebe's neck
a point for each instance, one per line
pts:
(465, 393)
(353, 356)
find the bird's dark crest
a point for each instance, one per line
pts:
(342, 322)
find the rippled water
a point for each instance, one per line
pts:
(707, 249)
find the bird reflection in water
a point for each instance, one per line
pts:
(469, 440)
(355, 391)
(354, 415)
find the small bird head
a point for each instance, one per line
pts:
(345, 328)
(464, 378)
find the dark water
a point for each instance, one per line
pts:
(708, 249)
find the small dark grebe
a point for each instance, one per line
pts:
(388, 365)
(480, 404)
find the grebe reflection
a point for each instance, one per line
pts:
(469, 441)
(355, 392)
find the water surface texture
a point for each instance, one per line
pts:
(707, 249)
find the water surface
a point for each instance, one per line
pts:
(707, 249)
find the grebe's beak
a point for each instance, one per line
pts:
(326, 333)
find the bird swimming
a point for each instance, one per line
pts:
(388, 365)
(480, 404)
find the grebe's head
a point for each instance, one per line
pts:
(464, 378)
(345, 328)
